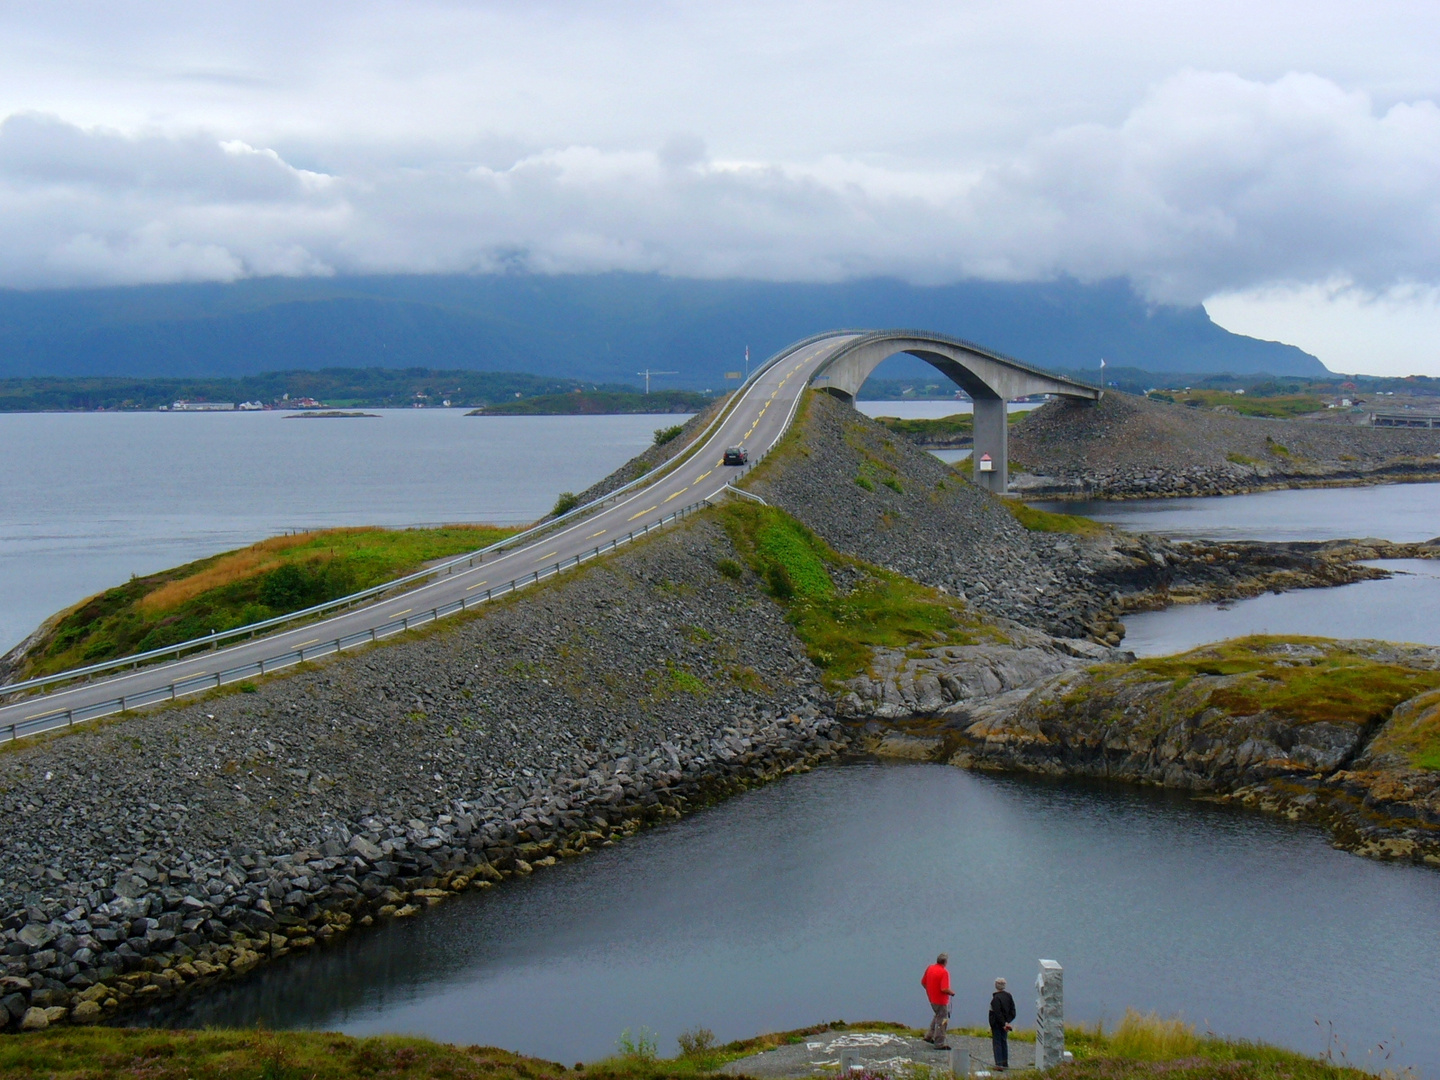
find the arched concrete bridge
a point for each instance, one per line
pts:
(837, 362)
(990, 378)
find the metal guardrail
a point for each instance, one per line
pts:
(41, 723)
(467, 561)
(68, 718)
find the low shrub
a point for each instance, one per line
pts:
(696, 1042)
(567, 501)
(668, 434)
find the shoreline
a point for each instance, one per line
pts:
(1071, 492)
(375, 785)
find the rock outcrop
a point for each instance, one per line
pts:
(1132, 447)
(1345, 733)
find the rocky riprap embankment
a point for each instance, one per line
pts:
(1132, 447)
(174, 848)
(916, 515)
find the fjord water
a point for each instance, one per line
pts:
(1402, 513)
(824, 897)
(88, 499)
(1404, 608)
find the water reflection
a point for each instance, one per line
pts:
(1403, 513)
(823, 896)
(1403, 608)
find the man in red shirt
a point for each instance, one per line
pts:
(936, 982)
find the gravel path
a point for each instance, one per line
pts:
(879, 1051)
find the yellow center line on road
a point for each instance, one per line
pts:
(312, 641)
(680, 492)
(593, 535)
(397, 614)
(703, 475)
(548, 554)
(644, 512)
(477, 585)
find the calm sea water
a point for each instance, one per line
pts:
(87, 499)
(1403, 513)
(1404, 608)
(825, 896)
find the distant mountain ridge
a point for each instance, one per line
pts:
(603, 327)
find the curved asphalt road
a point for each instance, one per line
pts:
(757, 422)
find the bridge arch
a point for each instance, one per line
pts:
(990, 378)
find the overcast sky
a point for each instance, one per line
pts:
(1279, 161)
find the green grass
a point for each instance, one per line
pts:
(637, 1062)
(1240, 459)
(1044, 521)
(957, 428)
(948, 429)
(273, 577)
(1148, 1046)
(1140, 1047)
(840, 628)
(1335, 685)
(144, 1054)
(1275, 406)
(1415, 735)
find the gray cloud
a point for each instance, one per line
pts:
(1209, 182)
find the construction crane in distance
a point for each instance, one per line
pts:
(647, 373)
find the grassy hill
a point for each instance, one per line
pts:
(274, 577)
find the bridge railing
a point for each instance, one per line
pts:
(42, 722)
(970, 346)
(212, 641)
(194, 684)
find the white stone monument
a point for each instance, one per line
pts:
(1049, 1015)
(960, 1062)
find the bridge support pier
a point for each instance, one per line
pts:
(991, 437)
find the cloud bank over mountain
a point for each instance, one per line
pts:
(1212, 182)
(1231, 152)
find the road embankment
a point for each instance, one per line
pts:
(1128, 447)
(167, 850)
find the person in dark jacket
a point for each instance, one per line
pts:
(1002, 1012)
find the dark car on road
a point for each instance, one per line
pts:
(736, 455)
